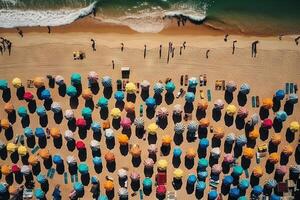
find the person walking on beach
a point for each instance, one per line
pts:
(9, 44)
(122, 46)
(180, 51)
(93, 44)
(184, 43)
(49, 30)
(207, 53)
(145, 49)
(233, 46)
(3, 43)
(297, 40)
(1, 49)
(173, 51)
(225, 38)
(20, 32)
(254, 48)
(160, 49)
(94, 12)
(113, 64)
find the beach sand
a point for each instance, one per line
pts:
(40, 54)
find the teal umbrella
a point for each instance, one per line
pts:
(244, 184)
(200, 186)
(147, 182)
(202, 164)
(190, 97)
(41, 179)
(237, 170)
(22, 111)
(28, 132)
(41, 111)
(3, 188)
(102, 197)
(95, 126)
(39, 193)
(192, 178)
(71, 91)
(212, 195)
(76, 78)
(170, 87)
(78, 187)
(83, 168)
(3, 84)
(281, 116)
(102, 102)
(86, 112)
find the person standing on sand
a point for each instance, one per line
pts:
(207, 53)
(122, 46)
(145, 49)
(180, 51)
(184, 43)
(49, 30)
(233, 46)
(3, 43)
(160, 49)
(1, 49)
(225, 38)
(94, 12)
(9, 44)
(297, 40)
(93, 44)
(254, 48)
(113, 64)
(20, 32)
(173, 51)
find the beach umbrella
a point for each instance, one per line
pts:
(193, 82)
(94, 180)
(292, 99)
(95, 126)
(11, 147)
(274, 197)
(69, 135)
(106, 81)
(215, 152)
(97, 161)
(69, 114)
(177, 152)
(150, 102)
(103, 102)
(108, 185)
(254, 120)
(202, 105)
(202, 163)
(123, 139)
(122, 173)
(130, 88)
(267, 103)
(271, 183)
(109, 157)
(13, 190)
(2, 145)
(33, 160)
(219, 104)
(248, 153)
(119, 95)
(177, 110)
(243, 112)
(237, 170)
(93, 77)
(109, 133)
(147, 182)
(244, 184)
(152, 128)
(145, 85)
(276, 139)
(162, 112)
(212, 195)
(204, 122)
(135, 151)
(219, 132)
(78, 187)
(83, 168)
(59, 80)
(231, 86)
(16, 82)
(152, 149)
(75, 79)
(80, 145)
(228, 158)
(192, 178)
(41, 179)
(129, 107)
(71, 160)
(281, 116)
(28, 96)
(5, 124)
(202, 175)
(149, 163)
(55, 132)
(231, 110)
(45, 94)
(234, 193)
(258, 171)
(179, 128)
(200, 186)
(162, 164)
(56, 107)
(71, 91)
(178, 173)
(161, 190)
(38, 82)
(257, 190)
(203, 143)
(241, 140)
(44, 154)
(295, 169)
(139, 122)
(191, 153)
(22, 150)
(158, 88)
(216, 169)
(192, 127)
(9, 107)
(87, 94)
(86, 113)
(281, 170)
(267, 123)
(95, 145)
(190, 97)
(230, 138)
(287, 150)
(245, 89)
(273, 158)
(22, 111)
(3, 84)
(170, 87)
(166, 140)
(134, 176)
(279, 94)
(294, 126)
(102, 197)
(228, 180)
(80, 122)
(253, 134)
(41, 111)
(125, 123)
(123, 192)
(25, 169)
(39, 193)
(5, 170)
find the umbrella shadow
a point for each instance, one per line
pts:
(85, 179)
(169, 98)
(269, 167)
(176, 118)
(145, 95)
(216, 114)
(42, 142)
(288, 108)
(39, 92)
(57, 142)
(72, 125)
(120, 105)
(116, 123)
(97, 135)
(74, 102)
(176, 161)
(45, 186)
(162, 123)
(228, 96)
(51, 83)
(215, 142)
(188, 107)
(78, 88)
(276, 104)
(95, 88)
(225, 189)
(48, 162)
(189, 188)
(9, 133)
(227, 147)
(225, 167)
(58, 117)
(284, 159)
(32, 106)
(188, 163)
(150, 112)
(62, 89)
(289, 135)
(177, 184)
(148, 172)
(20, 93)
(178, 139)
(111, 166)
(82, 155)
(9, 179)
(147, 191)
(47, 104)
(140, 132)
(3, 154)
(245, 162)
(19, 177)
(135, 185)
(98, 169)
(272, 147)
(107, 92)
(60, 168)
(254, 180)
(201, 152)
(110, 194)
(104, 113)
(228, 120)
(71, 145)
(199, 194)
(12, 117)
(202, 132)
(239, 123)
(237, 151)
(30, 141)
(43, 120)
(200, 114)
(131, 98)
(82, 132)
(242, 99)
(36, 169)
(14, 157)
(6, 95)
(25, 121)
(90, 104)
(152, 139)
(110, 143)
(165, 150)
(263, 113)
(124, 149)
(264, 133)
(277, 125)
(158, 98)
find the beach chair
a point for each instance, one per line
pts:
(76, 177)
(253, 101)
(181, 80)
(286, 88)
(21, 139)
(201, 94)
(291, 88)
(201, 80)
(141, 194)
(52, 172)
(72, 178)
(204, 79)
(208, 95)
(49, 172)
(119, 85)
(66, 177)
(257, 102)
(35, 149)
(213, 183)
(171, 195)
(30, 83)
(186, 79)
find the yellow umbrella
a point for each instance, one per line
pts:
(288, 150)
(130, 88)
(273, 158)
(178, 173)
(5, 170)
(44, 153)
(123, 139)
(219, 132)
(17, 83)
(5, 123)
(276, 139)
(258, 171)
(248, 153)
(267, 103)
(162, 164)
(11, 147)
(55, 132)
(115, 113)
(9, 107)
(129, 107)
(166, 140)
(22, 150)
(231, 110)
(202, 104)
(135, 150)
(152, 128)
(33, 160)
(108, 185)
(38, 82)
(191, 153)
(253, 134)
(87, 94)
(294, 126)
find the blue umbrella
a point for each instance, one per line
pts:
(147, 182)
(230, 138)
(244, 184)
(102, 197)
(192, 178)
(234, 193)
(28, 132)
(94, 180)
(228, 180)
(271, 183)
(281, 116)
(41, 111)
(22, 111)
(212, 195)
(3, 84)
(293, 98)
(76, 78)
(193, 82)
(202, 163)
(274, 197)
(245, 88)
(39, 132)
(150, 102)
(106, 81)
(203, 143)
(45, 95)
(241, 140)
(97, 161)
(39, 193)
(57, 159)
(200, 186)
(280, 94)
(202, 175)
(3, 188)
(95, 126)
(41, 179)
(257, 190)
(119, 95)
(158, 88)
(177, 152)
(170, 87)
(102, 102)
(192, 127)
(78, 187)
(190, 97)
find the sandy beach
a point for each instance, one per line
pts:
(39, 54)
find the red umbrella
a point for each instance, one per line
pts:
(28, 96)
(15, 169)
(80, 122)
(80, 145)
(161, 190)
(267, 123)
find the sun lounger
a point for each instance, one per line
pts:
(201, 94)
(286, 88)
(253, 101)
(35, 149)
(171, 195)
(181, 80)
(208, 95)
(257, 101)
(204, 79)
(213, 183)
(51, 173)
(66, 177)
(291, 88)
(186, 79)
(201, 80)
(27, 193)
(141, 194)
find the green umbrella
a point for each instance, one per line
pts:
(3, 84)
(83, 168)
(86, 112)
(71, 91)
(102, 102)
(76, 78)
(22, 111)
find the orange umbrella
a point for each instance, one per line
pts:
(87, 94)
(267, 103)
(288, 150)
(108, 185)
(204, 122)
(219, 132)
(253, 134)
(276, 139)
(5, 170)
(258, 171)
(273, 158)
(123, 139)
(109, 157)
(191, 153)
(248, 153)
(202, 104)
(166, 140)
(38, 82)
(135, 150)
(129, 106)
(5, 123)
(9, 107)
(33, 160)
(44, 154)
(55, 132)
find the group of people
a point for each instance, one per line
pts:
(5, 45)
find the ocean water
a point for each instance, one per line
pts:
(245, 16)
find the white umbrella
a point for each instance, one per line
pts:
(59, 80)
(56, 107)
(93, 76)
(177, 110)
(179, 128)
(71, 160)
(69, 114)
(145, 85)
(2, 145)
(122, 173)
(152, 149)
(109, 133)
(254, 119)
(69, 135)
(95, 145)
(123, 192)
(139, 122)
(25, 169)
(215, 152)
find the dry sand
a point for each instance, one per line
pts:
(39, 54)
